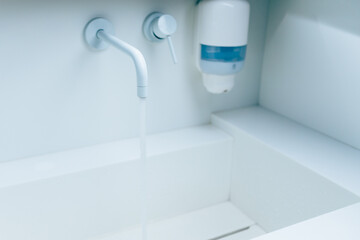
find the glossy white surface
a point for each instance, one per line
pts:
(86, 192)
(204, 224)
(340, 224)
(311, 65)
(271, 180)
(56, 95)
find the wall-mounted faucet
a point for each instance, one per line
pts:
(99, 34)
(158, 26)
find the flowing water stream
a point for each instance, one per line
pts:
(143, 171)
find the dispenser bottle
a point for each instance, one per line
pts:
(221, 40)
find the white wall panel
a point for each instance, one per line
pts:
(311, 65)
(55, 94)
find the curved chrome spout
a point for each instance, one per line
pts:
(99, 33)
(137, 57)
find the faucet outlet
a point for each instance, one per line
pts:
(99, 34)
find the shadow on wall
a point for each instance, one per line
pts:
(335, 13)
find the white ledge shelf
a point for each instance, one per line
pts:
(336, 161)
(92, 157)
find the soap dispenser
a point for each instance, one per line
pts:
(221, 35)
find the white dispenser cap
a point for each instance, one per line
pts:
(218, 84)
(223, 22)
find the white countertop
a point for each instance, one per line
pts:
(324, 155)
